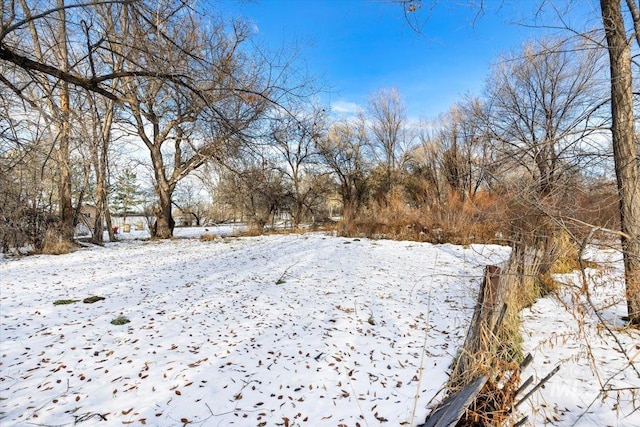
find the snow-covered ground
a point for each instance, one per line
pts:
(284, 330)
(184, 232)
(599, 379)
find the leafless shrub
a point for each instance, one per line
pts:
(55, 244)
(208, 237)
(27, 227)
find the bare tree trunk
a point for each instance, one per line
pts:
(67, 214)
(164, 224)
(624, 149)
(102, 205)
(60, 116)
(104, 172)
(66, 210)
(297, 215)
(100, 154)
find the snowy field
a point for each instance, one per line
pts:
(285, 330)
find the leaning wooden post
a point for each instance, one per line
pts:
(480, 334)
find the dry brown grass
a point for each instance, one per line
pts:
(258, 231)
(566, 254)
(459, 220)
(469, 220)
(208, 237)
(493, 406)
(252, 231)
(54, 244)
(499, 349)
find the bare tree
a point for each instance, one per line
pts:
(388, 120)
(104, 111)
(183, 129)
(256, 188)
(47, 41)
(542, 112)
(221, 207)
(80, 23)
(542, 108)
(343, 150)
(295, 139)
(465, 153)
(191, 88)
(28, 190)
(192, 201)
(100, 122)
(424, 168)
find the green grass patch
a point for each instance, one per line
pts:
(120, 320)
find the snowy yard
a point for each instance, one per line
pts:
(285, 330)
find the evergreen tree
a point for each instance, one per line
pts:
(127, 194)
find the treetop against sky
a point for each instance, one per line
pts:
(359, 46)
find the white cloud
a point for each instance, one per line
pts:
(345, 107)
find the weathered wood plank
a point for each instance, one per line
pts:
(486, 318)
(450, 410)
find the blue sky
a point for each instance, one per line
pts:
(357, 46)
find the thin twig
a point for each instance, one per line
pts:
(424, 350)
(540, 384)
(596, 311)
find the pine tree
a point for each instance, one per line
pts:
(127, 194)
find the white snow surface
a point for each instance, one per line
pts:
(598, 383)
(318, 330)
(282, 330)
